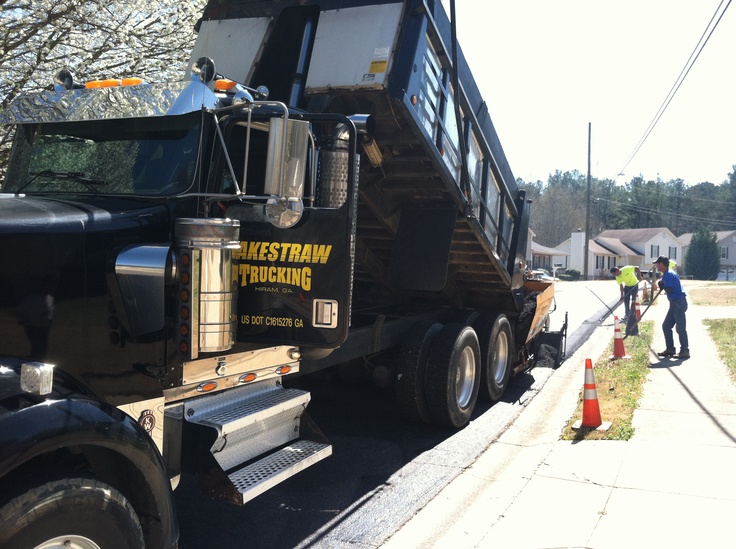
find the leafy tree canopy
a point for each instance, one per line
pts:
(703, 257)
(559, 206)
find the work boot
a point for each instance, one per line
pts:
(684, 355)
(667, 352)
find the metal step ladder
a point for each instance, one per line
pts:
(263, 436)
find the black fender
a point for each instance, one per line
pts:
(32, 427)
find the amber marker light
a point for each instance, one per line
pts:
(224, 84)
(207, 386)
(247, 378)
(281, 370)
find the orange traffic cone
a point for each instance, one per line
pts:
(618, 342)
(636, 308)
(591, 410)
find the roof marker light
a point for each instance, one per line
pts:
(224, 84)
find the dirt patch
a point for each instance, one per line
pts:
(712, 294)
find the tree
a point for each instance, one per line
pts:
(703, 257)
(95, 39)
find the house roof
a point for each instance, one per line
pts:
(614, 246)
(599, 249)
(633, 235)
(685, 238)
(544, 250)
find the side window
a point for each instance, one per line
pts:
(251, 177)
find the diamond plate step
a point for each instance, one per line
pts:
(262, 436)
(255, 478)
(231, 414)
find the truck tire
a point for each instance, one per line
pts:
(81, 513)
(411, 371)
(496, 351)
(453, 375)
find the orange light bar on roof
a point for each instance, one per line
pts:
(224, 84)
(114, 82)
(110, 83)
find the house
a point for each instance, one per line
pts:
(726, 241)
(619, 247)
(544, 257)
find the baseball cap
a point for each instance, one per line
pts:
(662, 259)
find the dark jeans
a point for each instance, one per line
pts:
(629, 298)
(675, 318)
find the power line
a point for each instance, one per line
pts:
(680, 79)
(643, 209)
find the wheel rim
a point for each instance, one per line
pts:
(68, 542)
(465, 377)
(500, 358)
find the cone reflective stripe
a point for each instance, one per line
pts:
(591, 410)
(618, 341)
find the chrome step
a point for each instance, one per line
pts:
(254, 479)
(262, 436)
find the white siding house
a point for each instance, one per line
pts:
(616, 248)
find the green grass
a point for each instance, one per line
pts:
(619, 385)
(721, 331)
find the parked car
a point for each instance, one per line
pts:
(543, 275)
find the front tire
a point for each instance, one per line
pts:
(77, 513)
(453, 375)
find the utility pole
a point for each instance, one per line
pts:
(586, 249)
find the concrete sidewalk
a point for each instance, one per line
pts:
(673, 485)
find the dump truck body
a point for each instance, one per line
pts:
(432, 233)
(325, 187)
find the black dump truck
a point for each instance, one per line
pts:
(324, 187)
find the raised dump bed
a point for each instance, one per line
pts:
(440, 219)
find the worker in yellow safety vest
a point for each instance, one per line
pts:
(627, 278)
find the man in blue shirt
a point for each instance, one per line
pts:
(675, 317)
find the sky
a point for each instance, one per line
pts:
(549, 68)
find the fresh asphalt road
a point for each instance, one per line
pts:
(382, 469)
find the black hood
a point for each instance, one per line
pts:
(23, 214)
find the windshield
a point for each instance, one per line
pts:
(146, 156)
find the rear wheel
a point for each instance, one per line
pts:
(496, 351)
(77, 513)
(453, 375)
(411, 371)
